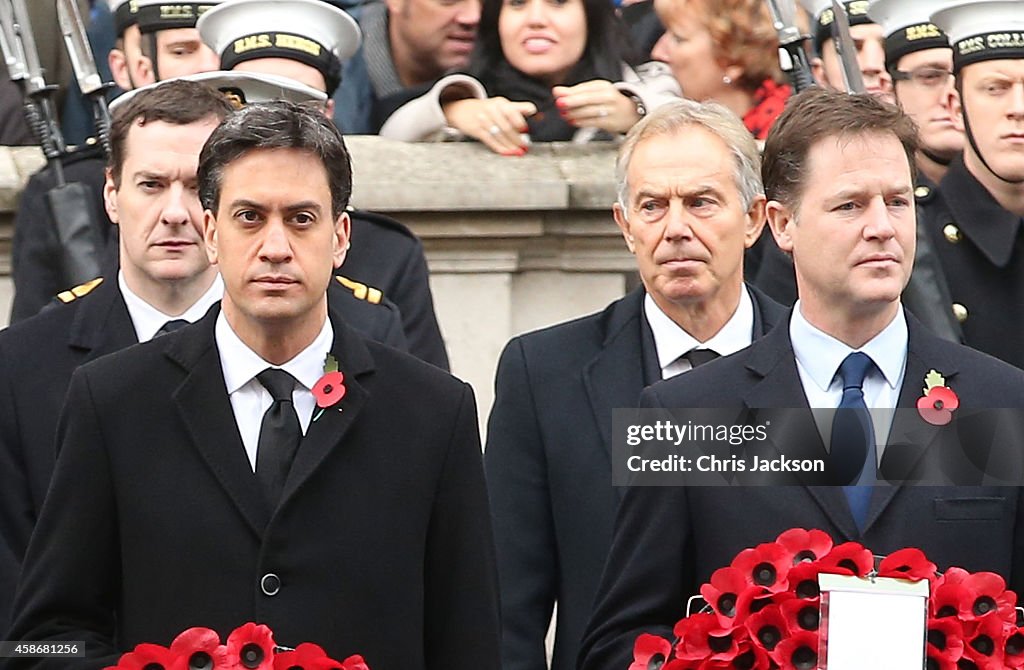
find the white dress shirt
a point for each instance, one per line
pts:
(671, 341)
(819, 355)
(147, 320)
(249, 400)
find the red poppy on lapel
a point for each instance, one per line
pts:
(330, 388)
(938, 402)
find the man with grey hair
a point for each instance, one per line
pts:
(690, 203)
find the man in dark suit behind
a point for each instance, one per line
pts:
(690, 202)
(187, 492)
(837, 172)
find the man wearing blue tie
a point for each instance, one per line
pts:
(837, 172)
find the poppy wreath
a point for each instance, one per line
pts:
(762, 611)
(249, 647)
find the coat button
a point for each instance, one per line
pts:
(952, 233)
(922, 192)
(960, 312)
(270, 584)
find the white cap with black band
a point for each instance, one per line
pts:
(309, 31)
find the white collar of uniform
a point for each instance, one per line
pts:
(671, 341)
(241, 364)
(147, 319)
(820, 354)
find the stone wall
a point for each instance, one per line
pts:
(512, 243)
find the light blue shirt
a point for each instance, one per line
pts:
(819, 355)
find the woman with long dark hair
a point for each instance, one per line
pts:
(541, 70)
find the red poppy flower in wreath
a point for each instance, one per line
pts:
(200, 649)
(730, 595)
(938, 402)
(984, 593)
(251, 647)
(768, 627)
(849, 558)
(909, 563)
(306, 656)
(1013, 650)
(650, 652)
(803, 580)
(806, 545)
(766, 565)
(749, 657)
(354, 662)
(802, 614)
(701, 637)
(146, 656)
(945, 640)
(984, 646)
(797, 652)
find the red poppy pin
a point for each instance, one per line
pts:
(938, 402)
(329, 389)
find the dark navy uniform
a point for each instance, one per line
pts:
(36, 254)
(979, 245)
(37, 358)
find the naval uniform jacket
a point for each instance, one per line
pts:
(380, 545)
(548, 462)
(981, 250)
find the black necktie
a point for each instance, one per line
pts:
(171, 326)
(852, 450)
(279, 434)
(698, 357)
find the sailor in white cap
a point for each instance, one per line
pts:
(920, 61)
(308, 40)
(977, 221)
(126, 54)
(305, 40)
(867, 39)
(171, 46)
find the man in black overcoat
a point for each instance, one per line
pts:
(198, 482)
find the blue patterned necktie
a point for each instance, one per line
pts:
(852, 450)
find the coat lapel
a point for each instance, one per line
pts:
(777, 385)
(328, 431)
(615, 376)
(202, 401)
(922, 356)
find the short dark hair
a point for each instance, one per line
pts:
(816, 114)
(177, 102)
(276, 125)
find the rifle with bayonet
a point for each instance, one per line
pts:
(792, 56)
(69, 203)
(846, 50)
(84, 64)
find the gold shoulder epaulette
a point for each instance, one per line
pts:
(80, 290)
(361, 291)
